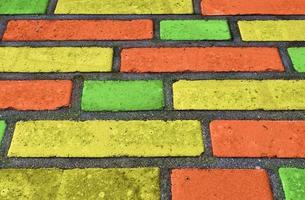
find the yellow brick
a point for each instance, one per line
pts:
(272, 30)
(55, 59)
(239, 95)
(106, 139)
(124, 7)
(79, 184)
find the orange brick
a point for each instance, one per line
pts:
(245, 7)
(250, 138)
(23, 30)
(220, 184)
(35, 95)
(213, 59)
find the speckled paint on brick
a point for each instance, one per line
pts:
(293, 181)
(124, 7)
(297, 56)
(239, 95)
(272, 30)
(122, 95)
(194, 30)
(58, 184)
(2, 131)
(55, 59)
(106, 139)
(23, 6)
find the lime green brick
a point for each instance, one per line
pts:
(2, 130)
(194, 30)
(293, 181)
(80, 184)
(297, 56)
(153, 138)
(124, 7)
(23, 6)
(122, 95)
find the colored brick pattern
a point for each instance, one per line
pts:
(220, 184)
(55, 184)
(124, 7)
(215, 59)
(297, 56)
(242, 7)
(93, 93)
(40, 30)
(106, 139)
(55, 59)
(194, 30)
(272, 30)
(249, 138)
(122, 95)
(23, 6)
(35, 94)
(293, 183)
(239, 95)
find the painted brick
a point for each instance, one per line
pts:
(2, 130)
(293, 181)
(239, 95)
(23, 6)
(250, 138)
(106, 139)
(122, 95)
(297, 56)
(55, 59)
(36, 30)
(243, 7)
(194, 30)
(124, 7)
(55, 184)
(214, 59)
(272, 30)
(220, 184)
(35, 94)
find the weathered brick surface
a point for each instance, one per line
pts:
(243, 7)
(106, 139)
(79, 184)
(32, 30)
(214, 59)
(249, 138)
(220, 184)
(35, 94)
(93, 93)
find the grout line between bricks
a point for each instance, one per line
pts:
(116, 62)
(168, 94)
(286, 60)
(197, 7)
(276, 185)
(234, 29)
(51, 7)
(156, 29)
(165, 185)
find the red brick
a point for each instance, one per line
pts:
(23, 30)
(220, 184)
(246, 7)
(213, 59)
(249, 138)
(35, 95)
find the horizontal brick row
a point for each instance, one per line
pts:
(106, 139)
(142, 29)
(132, 95)
(156, 138)
(144, 183)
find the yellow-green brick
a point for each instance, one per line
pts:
(239, 95)
(153, 138)
(80, 184)
(272, 30)
(124, 7)
(55, 59)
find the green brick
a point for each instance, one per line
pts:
(293, 181)
(2, 130)
(297, 56)
(122, 95)
(23, 6)
(80, 184)
(194, 30)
